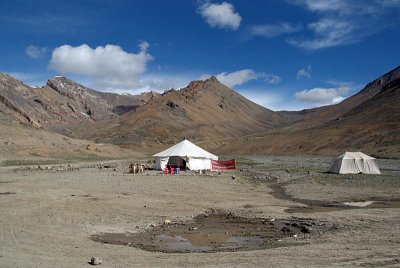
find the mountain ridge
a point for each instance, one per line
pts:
(210, 113)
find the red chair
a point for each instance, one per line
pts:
(165, 170)
(172, 170)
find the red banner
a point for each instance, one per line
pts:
(223, 165)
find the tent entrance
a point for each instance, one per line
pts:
(177, 161)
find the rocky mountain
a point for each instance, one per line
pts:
(62, 104)
(209, 113)
(317, 116)
(29, 116)
(204, 110)
(368, 121)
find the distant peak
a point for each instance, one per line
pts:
(213, 79)
(199, 84)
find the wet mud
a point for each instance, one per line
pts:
(7, 193)
(314, 206)
(219, 232)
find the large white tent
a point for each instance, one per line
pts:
(185, 154)
(355, 162)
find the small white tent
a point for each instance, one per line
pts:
(185, 154)
(355, 162)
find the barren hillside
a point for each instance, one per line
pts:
(204, 110)
(62, 104)
(368, 121)
(210, 114)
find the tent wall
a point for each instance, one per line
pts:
(192, 163)
(348, 165)
(199, 164)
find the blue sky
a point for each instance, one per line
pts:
(284, 55)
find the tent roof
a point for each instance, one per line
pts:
(186, 148)
(354, 155)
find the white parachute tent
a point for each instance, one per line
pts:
(354, 163)
(185, 154)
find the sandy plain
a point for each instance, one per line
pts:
(47, 217)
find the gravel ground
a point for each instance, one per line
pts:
(47, 217)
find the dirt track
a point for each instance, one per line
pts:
(47, 217)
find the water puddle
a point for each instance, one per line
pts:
(345, 206)
(219, 232)
(315, 206)
(207, 242)
(358, 204)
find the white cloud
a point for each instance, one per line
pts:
(156, 83)
(325, 5)
(304, 73)
(36, 52)
(272, 78)
(237, 78)
(243, 76)
(220, 15)
(273, 30)
(343, 22)
(390, 3)
(329, 33)
(110, 66)
(144, 46)
(323, 96)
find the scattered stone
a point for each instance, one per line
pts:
(152, 225)
(272, 220)
(285, 229)
(96, 261)
(172, 104)
(305, 229)
(295, 235)
(233, 177)
(167, 222)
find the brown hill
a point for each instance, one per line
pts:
(317, 116)
(62, 104)
(210, 114)
(21, 143)
(368, 121)
(204, 110)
